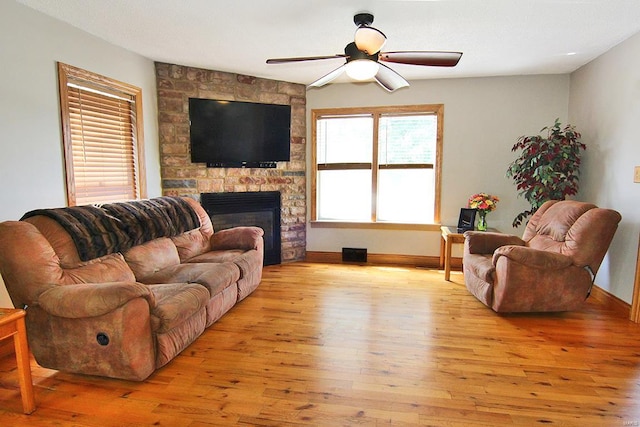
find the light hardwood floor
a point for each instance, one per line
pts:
(342, 345)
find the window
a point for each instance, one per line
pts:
(379, 165)
(102, 137)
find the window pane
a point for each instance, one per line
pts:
(407, 139)
(344, 195)
(345, 140)
(406, 195)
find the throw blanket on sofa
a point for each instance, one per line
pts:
(98, 230)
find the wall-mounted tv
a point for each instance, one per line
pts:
(239, 134)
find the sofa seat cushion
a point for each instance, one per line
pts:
(179, 318)
(147, 259)
(175, 303)
(214, 277)
(229, 255)
(249, 262)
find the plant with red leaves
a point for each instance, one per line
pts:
(547, 168)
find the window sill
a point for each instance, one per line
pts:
(375, 225)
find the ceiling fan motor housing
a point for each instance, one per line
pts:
(353, 53)
(361, 19)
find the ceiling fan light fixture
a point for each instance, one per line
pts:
(362, 69)
(365, 61)
(369, 40)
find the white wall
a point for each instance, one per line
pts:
(605, 107)
(31, 159)
(483, 118)
(31, 165)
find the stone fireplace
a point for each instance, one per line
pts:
(175, 85)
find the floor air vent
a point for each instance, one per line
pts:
(354, 255)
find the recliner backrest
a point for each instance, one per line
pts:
(29, 265)
(579, 230)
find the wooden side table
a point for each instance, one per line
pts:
(12, 325)
(449, 237)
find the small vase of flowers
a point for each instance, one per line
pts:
(483, 203)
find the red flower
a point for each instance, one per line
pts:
(483, 202)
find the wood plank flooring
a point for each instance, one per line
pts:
(348, 345)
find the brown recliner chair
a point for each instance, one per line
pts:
(553, 266)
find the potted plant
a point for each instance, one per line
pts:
(547, 168)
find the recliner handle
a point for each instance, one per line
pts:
(593, 280)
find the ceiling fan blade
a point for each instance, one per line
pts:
(303, 58)
(329, 77)
(389, 79)
(431, 58)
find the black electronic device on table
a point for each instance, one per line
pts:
(467, 220)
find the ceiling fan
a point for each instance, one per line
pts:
(364, 58)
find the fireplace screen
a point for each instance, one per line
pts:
(260, 209)
(262, 219)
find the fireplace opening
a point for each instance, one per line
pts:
(253, 208)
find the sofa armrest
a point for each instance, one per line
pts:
(246, 238)
(529, 280)
(91, 300)
(486, 242)
(533, 258)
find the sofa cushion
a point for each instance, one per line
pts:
(151, 257)
(109, 268)
(206, 227)
(249, 263)
(197, 241)
(175, 303)
(58, 238)
(28, 263)
(218, 256)
(214, 277)
(191, 244)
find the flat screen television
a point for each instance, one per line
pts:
(239, 134)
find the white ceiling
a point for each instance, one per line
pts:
(498, 37)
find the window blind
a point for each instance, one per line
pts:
(102, 137)
(100, 142)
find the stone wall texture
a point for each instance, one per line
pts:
(175, 85)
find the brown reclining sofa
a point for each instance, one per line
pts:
(119, 290)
